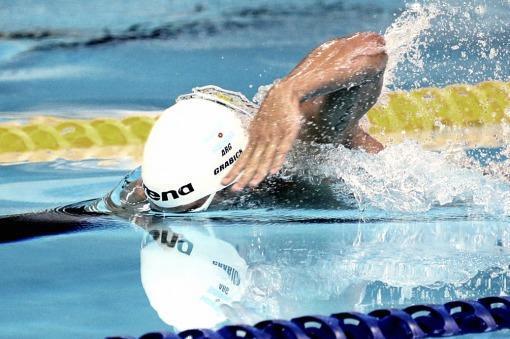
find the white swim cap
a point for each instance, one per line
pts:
(192, 278)
(191, 148)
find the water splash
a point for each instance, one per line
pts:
(407, 178)
(404, 39)
(433, 43)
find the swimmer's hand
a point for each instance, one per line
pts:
(336, 64)
(271, 135)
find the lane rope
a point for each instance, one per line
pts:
(424, 109)
(418, 321)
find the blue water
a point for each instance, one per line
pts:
(438, 232)
(300, 261)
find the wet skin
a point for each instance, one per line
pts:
(322, 99)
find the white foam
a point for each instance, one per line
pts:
(404, 38)
(407, 178)
(435, 43)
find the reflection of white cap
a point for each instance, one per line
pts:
(189, 278)
(190, 149)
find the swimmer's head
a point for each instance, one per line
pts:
(190, 149)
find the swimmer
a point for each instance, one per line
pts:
(212, 138)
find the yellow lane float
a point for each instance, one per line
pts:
(424, 112)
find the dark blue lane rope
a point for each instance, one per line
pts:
(418, 321)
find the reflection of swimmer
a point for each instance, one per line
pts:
(209, 141)
(192, 279)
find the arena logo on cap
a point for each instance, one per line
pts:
(174, 194)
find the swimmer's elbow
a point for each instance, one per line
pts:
(372, 51)
(371, 64)
(372, 38)
(378, 62)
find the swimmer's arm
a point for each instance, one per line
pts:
(339, 63)
(359, 60)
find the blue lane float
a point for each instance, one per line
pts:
(419, 321)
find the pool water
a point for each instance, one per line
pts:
(290, 261)
(416, 226)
